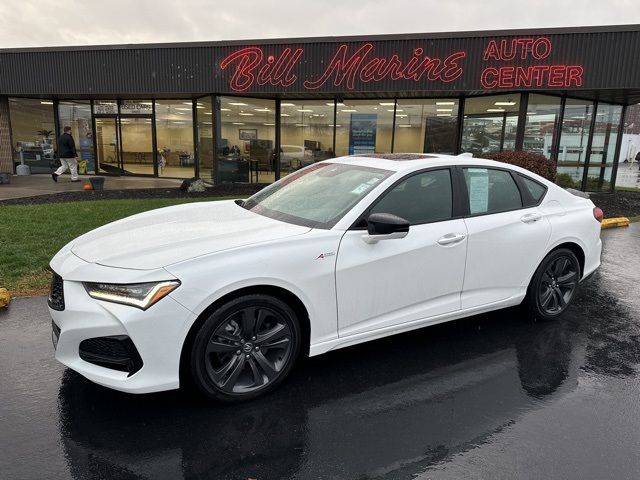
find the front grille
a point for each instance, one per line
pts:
(56, 293)
(116, 352)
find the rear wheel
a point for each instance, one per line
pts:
(553, 285)
(245, 348)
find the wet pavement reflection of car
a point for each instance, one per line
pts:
(471, 398)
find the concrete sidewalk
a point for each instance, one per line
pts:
(42, 184)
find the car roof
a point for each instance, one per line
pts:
(399, 162)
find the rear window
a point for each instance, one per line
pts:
(536, 189)
(491, 191)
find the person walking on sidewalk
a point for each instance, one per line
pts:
(67, 155)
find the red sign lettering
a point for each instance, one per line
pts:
(565, 76)
(344, 70)
(505, 50)
(533, 76)
(361, 66)
(251, 68)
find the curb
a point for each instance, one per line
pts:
(615, 222)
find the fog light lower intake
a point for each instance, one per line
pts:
(115, 352)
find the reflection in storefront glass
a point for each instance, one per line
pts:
(543, 113)
(204, 137)
(307, 133)
(77, 115)
(33, 132)
(247, 143)
(490, 124)
(428, 126)
(603, 147)
(174, 137)
(573, 142)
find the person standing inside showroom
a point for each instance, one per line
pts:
(67, 155)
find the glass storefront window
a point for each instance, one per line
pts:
(247, 143)
(603, 147)
(204, 137)
(364, 126)
(628, 174)
(543, 113)
(77, 115)
(174, 138)
(428, 126)
(33, 132)
(573, 142)
(490, 124)
(306, 133)
(136, 107)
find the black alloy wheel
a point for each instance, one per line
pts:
(245, 348)
(553, 285)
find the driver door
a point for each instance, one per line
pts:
(403, 280)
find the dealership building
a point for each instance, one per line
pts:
(253, 111)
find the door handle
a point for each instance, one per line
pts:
(531, 217)
(451, 238)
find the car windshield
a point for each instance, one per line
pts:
(317, 196)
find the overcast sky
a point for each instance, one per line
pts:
(28, 23)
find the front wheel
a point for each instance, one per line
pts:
(553, 285)
(245, 348)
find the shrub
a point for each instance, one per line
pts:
(534, 162)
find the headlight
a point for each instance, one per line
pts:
(140, 295)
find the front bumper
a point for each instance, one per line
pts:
(157, 334)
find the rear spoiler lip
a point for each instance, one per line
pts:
(578, 193)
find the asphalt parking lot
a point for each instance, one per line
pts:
(493, 396)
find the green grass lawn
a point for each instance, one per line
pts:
(31, 234)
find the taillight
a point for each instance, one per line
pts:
(598, 214)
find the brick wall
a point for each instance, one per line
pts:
(6, 159)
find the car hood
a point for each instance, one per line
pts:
(170, 235)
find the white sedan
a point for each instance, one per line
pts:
(229, 294)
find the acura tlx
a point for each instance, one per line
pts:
(228, 294)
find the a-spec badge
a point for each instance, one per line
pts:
(325, 255)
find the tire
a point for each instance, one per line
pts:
(246, 348)
(553, 286)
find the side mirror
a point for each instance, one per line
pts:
(385, 226)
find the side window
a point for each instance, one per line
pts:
(421, 198)
(491, 191)
(536, 190)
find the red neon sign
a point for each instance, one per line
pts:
(512, 76)
(353, 65)
(360, 65)
(345, 68)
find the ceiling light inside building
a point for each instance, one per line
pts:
(46, 102)
(237, 123)
(506, 104)
(443, 114)
(495, 109)
(444, 109)
(387, 104)
(304, 110)
(445, 103)
(287, 104)
(269, 124)
(262, 110)
(245, 114)
(348, 110)
(238, 104)
(404, 126)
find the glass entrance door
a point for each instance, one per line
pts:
(125, 145)
(136, 145)
(108, 145)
